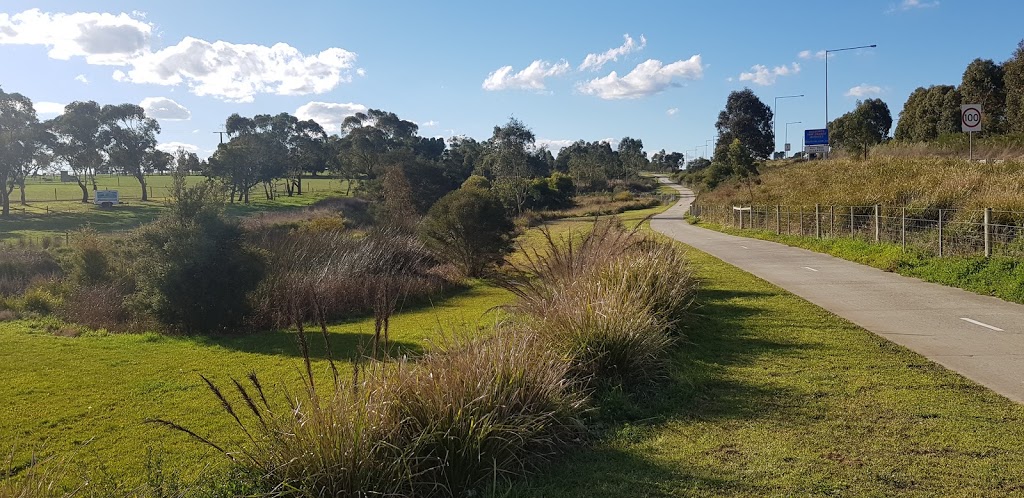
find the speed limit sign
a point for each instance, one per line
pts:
(970, 117)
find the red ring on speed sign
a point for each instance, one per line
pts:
(970, 110)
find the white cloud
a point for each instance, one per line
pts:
(101, 38)
(807, 54)
(48, 108)
(237, 73)
(165, 109)
(229, 71)
(863, 90)
(673, 111)
(531, 78)
(428, 124)
(648, 78)
(594, 62)
(914, 4)
(553, 145)
(328, 114)
(763, 76)
(82, 79)
(172, 147)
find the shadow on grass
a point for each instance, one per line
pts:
(345, 346)
(103, 220)
(622, 474)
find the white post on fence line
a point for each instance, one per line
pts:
(988, 232)
(940, 233)
(817, 220)
(903, 228)
(878, 226)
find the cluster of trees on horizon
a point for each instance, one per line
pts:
(90, 139)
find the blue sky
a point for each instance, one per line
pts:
(658, 71)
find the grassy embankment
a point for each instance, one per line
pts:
(44, 217)
(917, 183)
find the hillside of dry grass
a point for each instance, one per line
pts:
(894, 181)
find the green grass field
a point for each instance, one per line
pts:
(85, 398)
(770, 395)
(44, 217)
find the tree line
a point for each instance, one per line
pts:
(381, 153)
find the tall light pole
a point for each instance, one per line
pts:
(787, 133)
(775, 110)
(826, 73)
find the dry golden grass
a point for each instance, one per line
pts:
(893, 181)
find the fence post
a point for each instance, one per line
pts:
(903, 228)
(54, 194)
(878, 226)
(778, 220)
(988, 232)
(831, 221)
(940, 233)
(817, 220)
(851, 223)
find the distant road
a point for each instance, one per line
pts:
(980, 337)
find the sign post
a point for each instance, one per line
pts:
(970, 122)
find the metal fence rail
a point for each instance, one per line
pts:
(940, 232)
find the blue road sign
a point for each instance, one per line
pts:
(816, 137)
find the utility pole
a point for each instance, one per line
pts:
(221, 133)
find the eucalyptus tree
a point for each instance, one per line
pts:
(130, 138)
(19, 142)
(78, 141)
(507, 158)
(747, 118)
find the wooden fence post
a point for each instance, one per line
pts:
(817, 220)
(940, 233)
(988, 232)
(878, 226)
(903, 228)
(778, 220)
(851, 222)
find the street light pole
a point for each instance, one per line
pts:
(787, 133)
(826, 73)
(775, 110)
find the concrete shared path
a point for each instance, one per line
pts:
(980, 337)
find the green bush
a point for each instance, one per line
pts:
(469, 227)
(194, 269)
(90, 261)
(477, 182)
(39, 300)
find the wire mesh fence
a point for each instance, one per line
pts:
(939, 232)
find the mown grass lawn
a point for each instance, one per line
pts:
(44, 217)
(770, 395)
(85, 398)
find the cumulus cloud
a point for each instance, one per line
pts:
(101, 38)
(864, 90)
(553, 145)
(165, 109)
(648, 78)
(913, 4)
(82, 79)
(172, 147)
(807, 54)
(229, 71)
(48, 108)
(673, 111)
(328, 114)
(595, 62)
(237, 73)
(530, 78)
(761, 75)
(428, 124)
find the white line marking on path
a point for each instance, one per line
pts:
(809, 268)
(997, 329)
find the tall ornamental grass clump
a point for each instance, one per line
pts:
(609, 301)
(452, 423)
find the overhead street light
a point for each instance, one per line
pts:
(775, 110)
(787, 132)
(826, 73)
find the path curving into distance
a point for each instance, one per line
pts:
(980, 337)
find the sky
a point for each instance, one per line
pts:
(659, 71)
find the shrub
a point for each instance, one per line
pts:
(609, 302)
(90, 262)
(195, 271)
(469, 227)
(98, 307)
(478, 182)
(39, 300)
(20, 267)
